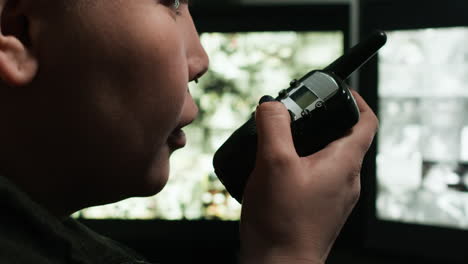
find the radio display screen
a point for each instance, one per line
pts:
(304, 97)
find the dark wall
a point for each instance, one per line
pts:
(217, 242)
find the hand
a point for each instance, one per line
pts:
(294, 207)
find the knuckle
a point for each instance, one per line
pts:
(354, 198)
(365, 141)
(375, 121)
(371, 119)
(351, 158)
(278, 158)
(355, 189)
(352, 163)
(362, 148)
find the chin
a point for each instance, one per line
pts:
(156, 178)
(151, 178)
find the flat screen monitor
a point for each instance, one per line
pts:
(416, 175)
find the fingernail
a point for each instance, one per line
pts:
(265, 99)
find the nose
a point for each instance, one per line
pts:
(198, 65)
(198, 61)
(197, 58)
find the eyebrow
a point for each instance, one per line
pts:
(188, 2)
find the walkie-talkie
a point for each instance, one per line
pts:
(322, 110)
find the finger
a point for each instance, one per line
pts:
(362, 105)
(274, 129)
(362, 134)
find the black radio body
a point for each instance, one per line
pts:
(321, 107)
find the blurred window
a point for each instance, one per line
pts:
(243, 67)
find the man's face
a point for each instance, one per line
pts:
(111, 94)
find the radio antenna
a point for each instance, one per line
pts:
(345, 65)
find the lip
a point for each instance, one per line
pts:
(177, 139)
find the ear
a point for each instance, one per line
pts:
(18, 64)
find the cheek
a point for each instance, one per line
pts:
(137, 74)
(120, 96)
(162, 93)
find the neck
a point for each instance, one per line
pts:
(59, 197)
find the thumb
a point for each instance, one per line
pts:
(274, 129)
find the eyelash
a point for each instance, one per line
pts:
(174, 4)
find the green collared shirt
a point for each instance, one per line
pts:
(30, 235)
